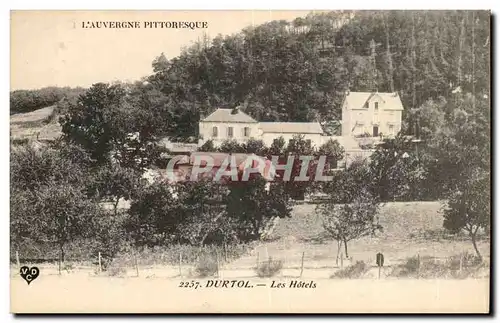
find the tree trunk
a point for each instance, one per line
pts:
(61, 257)
(345, 248)
(388, 53)
(339, 245)
(61, 252)
(116, 205)
(473, 238)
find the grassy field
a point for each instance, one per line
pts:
(410, 228)
(31, 125)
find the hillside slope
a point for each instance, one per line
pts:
(34, 125)
(410, 228)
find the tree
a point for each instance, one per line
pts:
(55, 214)
(116, 122)
(470, 210)
(112, 182)
(351, 220)
(333, 152)
(347, 183)
(203, 212)
(50, 204)
(252, 207)
(277, 147)
(97, 122)
(303, 157)
(208, 146)
(153, 215)
(32, 167)
(462, 148)
(430, 116)
(231, 146)
(397, 172)
(253, 146)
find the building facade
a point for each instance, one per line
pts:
(234, 124)
(371, 114)
(228, 124)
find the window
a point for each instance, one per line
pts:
(230, 132)
(246, 132)
(215, 132)
(391, 129)
(376, 106)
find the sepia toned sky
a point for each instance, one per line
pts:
(52, 47)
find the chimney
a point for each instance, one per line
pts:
(236, 110)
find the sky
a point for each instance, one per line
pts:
(51, 48)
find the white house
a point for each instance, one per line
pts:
(228, 124)
(372, 114)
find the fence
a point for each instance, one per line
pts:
(219, 263)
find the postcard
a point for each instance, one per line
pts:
(257, 161)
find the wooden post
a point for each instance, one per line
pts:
(302, 264)
(461, 263)
(99, 258)
(379, 268)
(17, 259)
(218, 264)
(341, 260)
(418, 265)
(180, 264)
(136, 265)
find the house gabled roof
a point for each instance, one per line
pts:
(229, 115)
(356, 100)
(291, 127)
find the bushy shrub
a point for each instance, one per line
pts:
(109, 237)
(354, 271)
(429, 267)
(116, 271)
(207, 266)
(412, 267)
(269, 268)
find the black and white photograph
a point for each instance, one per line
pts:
(250, 161)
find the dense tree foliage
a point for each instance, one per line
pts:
(49, 199)
(462, 149)
(300, 70)
(205, 212)
(355, 219)
(108, 122)
(29, 100)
